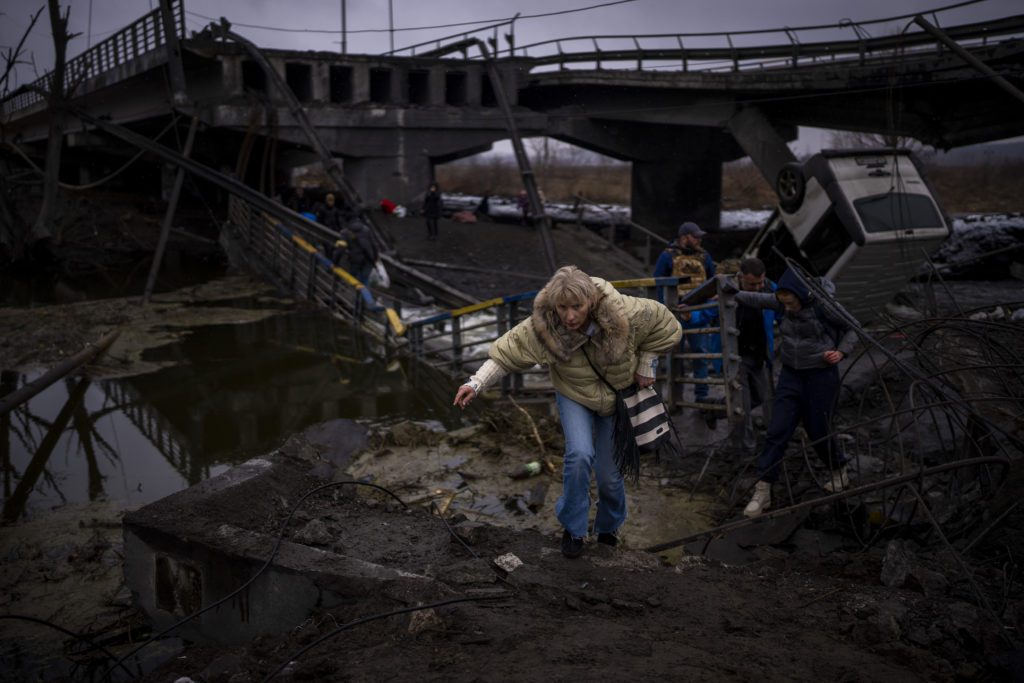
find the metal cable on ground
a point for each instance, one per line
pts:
(383, 615)
(266, 564)
(77, 636)
(433, 506)
(832, 307)
(89, 186)
(497, 572)
(831, 498)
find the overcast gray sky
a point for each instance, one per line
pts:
(316, 24)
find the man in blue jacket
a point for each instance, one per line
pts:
(687, 258)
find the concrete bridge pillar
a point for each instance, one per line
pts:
(666, 192)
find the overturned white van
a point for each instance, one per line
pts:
(864, 218)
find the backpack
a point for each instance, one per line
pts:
(689, 265)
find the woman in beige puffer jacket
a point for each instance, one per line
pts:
(622, 335)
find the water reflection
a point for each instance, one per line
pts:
(234, 391)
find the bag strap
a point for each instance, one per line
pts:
(596, 371)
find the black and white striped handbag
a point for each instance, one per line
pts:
(642, 425)
(652, 426)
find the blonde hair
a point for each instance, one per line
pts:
(570, 285)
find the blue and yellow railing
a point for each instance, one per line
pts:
(442, 340)
(291, 254)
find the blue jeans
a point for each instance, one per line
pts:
(588, 447)
(807, 396)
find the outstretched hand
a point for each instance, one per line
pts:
(464, 396)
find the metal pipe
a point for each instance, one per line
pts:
(522, 160)
(832, 498)
(19, 396)
(172, 205)
(969, 58)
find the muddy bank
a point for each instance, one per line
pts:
(803, 609)
(43, 336)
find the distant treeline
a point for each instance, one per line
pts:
(992, 186)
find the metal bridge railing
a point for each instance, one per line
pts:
(720, 52)
(456, 342)
(142, 36)
(783, 47)
(293, 255)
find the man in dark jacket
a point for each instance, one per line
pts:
(432, 210)
(329, 214)
(756, 346)
(361, 250)
(814, 341)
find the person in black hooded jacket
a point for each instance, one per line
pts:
(813, 342)
(360, 248)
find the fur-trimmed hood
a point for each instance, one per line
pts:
(608, 313)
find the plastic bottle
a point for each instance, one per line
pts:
(530, 469)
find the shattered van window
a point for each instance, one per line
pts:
(897, 211)
(826, 242)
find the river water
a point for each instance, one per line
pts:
(234, 392)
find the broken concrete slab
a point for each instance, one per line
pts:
(190, 550)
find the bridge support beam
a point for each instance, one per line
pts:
(668, 192)
(762, 142)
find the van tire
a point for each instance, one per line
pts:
(790, 186)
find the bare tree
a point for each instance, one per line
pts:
(45, 225)
(13, 229)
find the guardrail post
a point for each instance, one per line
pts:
(729, 334)
(311, 277)
(456, 344)
(503, 315)
(516, 384)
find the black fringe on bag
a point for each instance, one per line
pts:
(627, 455)
(627, 451)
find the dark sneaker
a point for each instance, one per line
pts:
(572, 546)
(608, 539)
(710, 418)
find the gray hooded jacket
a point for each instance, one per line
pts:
(805, 336)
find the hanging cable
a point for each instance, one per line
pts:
(421, 28)
(90, 186)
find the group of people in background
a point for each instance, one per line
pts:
(596, 342)
(575, 312)
(354, 246)
(814, 340)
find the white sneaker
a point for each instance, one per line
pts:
(839, 481)
(761, 500)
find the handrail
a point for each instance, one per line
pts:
(857, 27)
(646, 282)
(787, 53)
(144, 35)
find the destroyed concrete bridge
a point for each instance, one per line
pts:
(673, 107)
